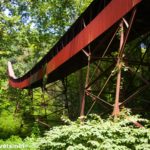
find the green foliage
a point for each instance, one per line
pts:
(9, 125)
(35, 130)
(16, 143)
(28, 29)
(96, 133)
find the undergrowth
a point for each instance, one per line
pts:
(94, 133)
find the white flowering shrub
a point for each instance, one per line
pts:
(98, 134)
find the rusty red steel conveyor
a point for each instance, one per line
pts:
(70, 57)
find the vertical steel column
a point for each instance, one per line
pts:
(123, 40)
(43, 99)
(119, 66)
(86, 84)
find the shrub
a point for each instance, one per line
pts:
(94, 133)
(98, 134)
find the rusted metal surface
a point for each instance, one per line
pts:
(94, 29)
(119, 67)
(92, 44)
(123, 40)
(57, 67)
(125, 29)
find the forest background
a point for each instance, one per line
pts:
(28, 30)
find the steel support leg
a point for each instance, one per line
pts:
(119, 66)
(82, 113)
(123, 40)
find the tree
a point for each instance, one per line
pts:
(28, 30)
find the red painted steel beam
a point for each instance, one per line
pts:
(111, 14)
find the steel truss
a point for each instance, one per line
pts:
(113, 71)
(47, 96)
